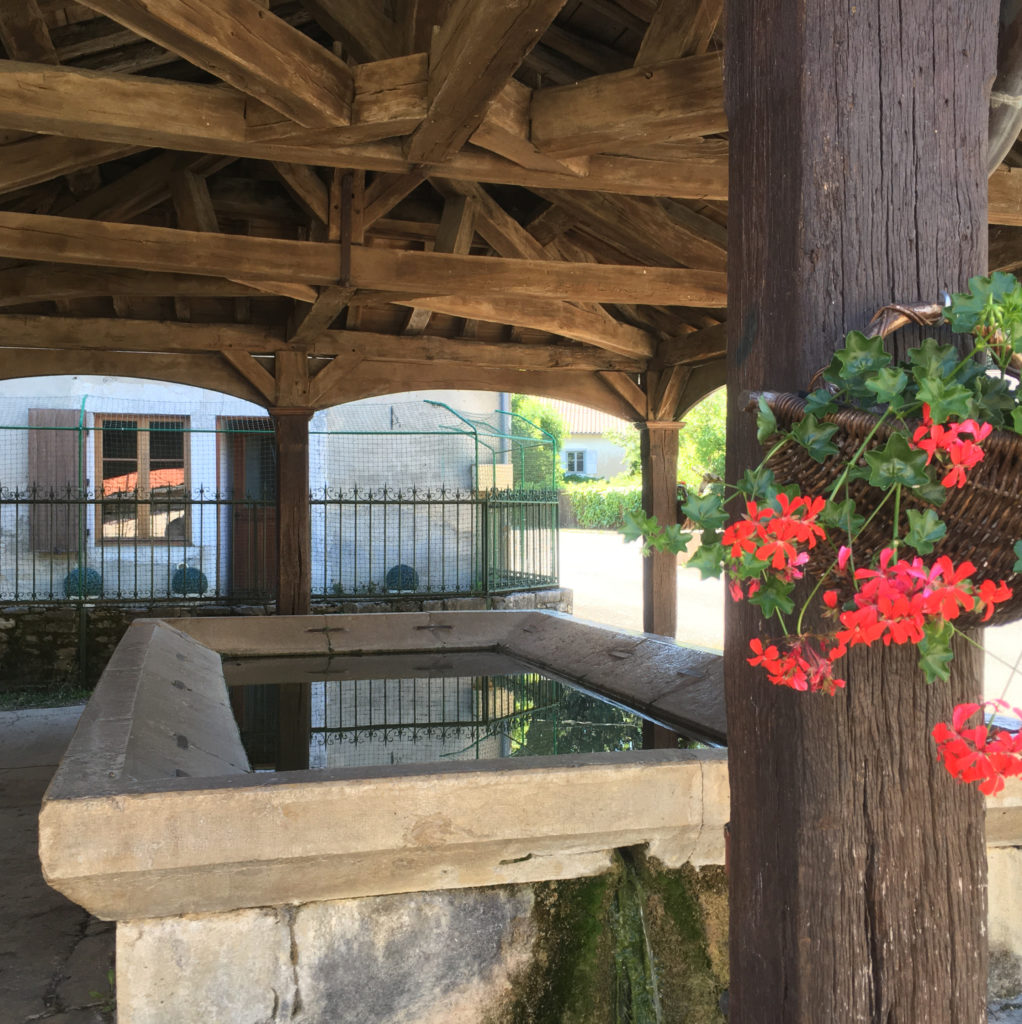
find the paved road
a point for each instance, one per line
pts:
(606, 576)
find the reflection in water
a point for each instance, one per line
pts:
(420, 709)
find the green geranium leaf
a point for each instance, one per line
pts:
(1017, 567)
(897, 463)
(946, 399)
(935, 654)
(925, 529)
(758, 485)
(815, 437)
(708, 559)
(860, 358)
(843, 517)
(932, 492)
(933, 361)
(888, 385)
(773, 596)
(994, 301)
(671, 538)
(766, 422)
(706, 511)
(637, 524)
(820, 402)
(1016, 421)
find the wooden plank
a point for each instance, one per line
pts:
(505, 130)
(670, 387)
(58, 332)
(321, 314)
(674, 99)
(386, 191)
(330, 377)
(250, 258)
(43, 158)
(361, 25)
(690, 349)
(679, 28)
(560, 318)
(143, 187)
(306, 186)
(644, 230)
(253, 371)
(192, 203)
(454, 235)
(1005, 196)
(24, 34)
(39, 282)
(474, 53)
(623, 385)
(251, 49)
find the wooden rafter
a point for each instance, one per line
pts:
(360, 25)
(679, 28)
(248, 47)
(472, 56)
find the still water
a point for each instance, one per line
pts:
(361, 711)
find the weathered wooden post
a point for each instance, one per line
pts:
(858, 177)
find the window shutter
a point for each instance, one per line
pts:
(53, 479)
(590, 462)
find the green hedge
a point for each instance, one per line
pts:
(600, 507)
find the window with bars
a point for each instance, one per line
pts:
(142, 465)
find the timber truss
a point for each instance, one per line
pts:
(306, 203)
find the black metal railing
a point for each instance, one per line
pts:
(212, 547)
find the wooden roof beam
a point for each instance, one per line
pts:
(674, 99)
(137, 111)
(45, 157)
(44, 282)
(562, 318)
(473, 54)
(361, 26)
(679, 28)
(251, 259)
(249, 47)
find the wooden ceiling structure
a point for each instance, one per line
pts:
(304, 203)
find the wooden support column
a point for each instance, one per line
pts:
(858, 177)
(658, 451)
(294, 528)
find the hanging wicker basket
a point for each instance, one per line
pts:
(983, 518)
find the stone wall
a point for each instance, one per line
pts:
(639, 943)
(52, 646)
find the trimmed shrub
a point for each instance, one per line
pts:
(602, 507)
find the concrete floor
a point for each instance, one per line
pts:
(54, 957)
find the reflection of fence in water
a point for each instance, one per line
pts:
(395, 721)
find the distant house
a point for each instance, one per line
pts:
(585, 450)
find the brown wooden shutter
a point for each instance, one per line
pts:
(54, 479)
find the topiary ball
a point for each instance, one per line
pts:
(402, 577)
(79, 584)
(189, 580)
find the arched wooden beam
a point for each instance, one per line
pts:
(705, 379)
(206, 370)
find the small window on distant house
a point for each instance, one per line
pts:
(575, 461)
(142, 466)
